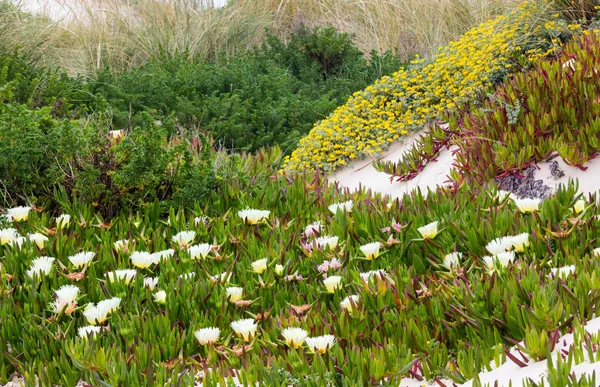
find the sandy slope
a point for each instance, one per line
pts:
(362, 173)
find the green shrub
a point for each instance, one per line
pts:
(271, 95)
(39, 154)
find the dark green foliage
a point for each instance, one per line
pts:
(38, 154)
(22, 81)
(271, 95)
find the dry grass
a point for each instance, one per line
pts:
(124, 33)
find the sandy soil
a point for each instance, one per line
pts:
(362, 174)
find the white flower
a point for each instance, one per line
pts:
(164, 254)
(187, 275)
(569, 64)
(160, 297)
(329, 241)
(207, 335)
(332, 283)
(505, 258)
(38, 239)
(63, 221)
(259, 266)
(39, 266)
(344, 207)
(201, 219)
(121, 275)
(234, 293)
(379, 274)
(199, 250)
(294, 337)
(579, 206)
(18, 214)
(527, 205)
(429, 231)
(81, 259)
(350, 302)
(17, 242)
(253, 216)
(116, 135)
(245, 328)
(88, 330)
(563, 272)
(452, 260)
(371, 250)
(223, 277)
(489, 262)
(66, 298)
(320, 343)
(122, 245)
(499, 245)
(520, 241)
(97, 314)
(184, 238)
(597, 251)
(150, 282)
(279, 269)
(7, 235)
(143, 259)
(313, 229)
(502, 195)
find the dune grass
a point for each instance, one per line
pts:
(121, 33)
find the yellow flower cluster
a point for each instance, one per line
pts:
(394, 105)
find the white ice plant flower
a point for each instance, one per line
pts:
(259, 266)
(312, 229)
(160, 297)
(63, 221)
(320, 344)
(222, 278)
(18, 214)
(501, 195)
(499, 245)
(597, 251)
(184, 238)
(349, 303)
(294, 337)
(579, 206)
(39, 266)
(520, 241)
(66, 299)
(164, 254)
(527, 205)
(327, 241)
(197, 251)
(564, 271)
(187, 276)
(7, 235)
(452, 260)
(122, 245)
(371, 250)
(88, 330)
(207, 336)
(332, 283)
(234, 293)
(150, 282)
(17, 242)
(98, 314)
(344, 206)
(143, 259)
(429, 231)
(245, 328)
(125, 275)
(38, 238)
(279, 269)
(252, 216)
(82, 259)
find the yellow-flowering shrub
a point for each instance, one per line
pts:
(394, 105)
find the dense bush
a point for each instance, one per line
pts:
(272, 95)
(39, 154)
(24, 81)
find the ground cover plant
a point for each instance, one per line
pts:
(394, 105)
(297, 283)
(551, 110)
